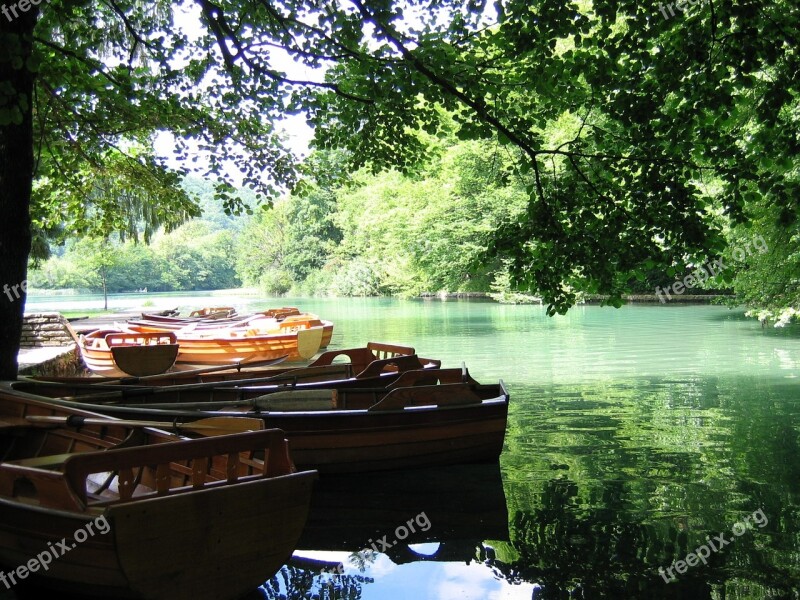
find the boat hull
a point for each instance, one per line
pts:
(364, 439)
(114, 354)
(151, 549)
(346, 443)
(200, 518)
(380, 358)
(213, 348)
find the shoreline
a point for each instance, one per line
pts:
(588, 299)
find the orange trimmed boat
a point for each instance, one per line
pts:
(214, 312)
(112, 353)
(207, 319)
(376, 360)
(298, 337)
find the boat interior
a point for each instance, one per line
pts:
(55, 465)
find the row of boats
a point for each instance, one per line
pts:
(213, 336)
(205, 476)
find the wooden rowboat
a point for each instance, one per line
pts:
(112, 353)
(375, 361)
(214, 312)
(299, 338)
(121, 511)
(278, 392)
(206, 320)
(352, 430)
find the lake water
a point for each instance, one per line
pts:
(651, 452)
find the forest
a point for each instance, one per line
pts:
(358, 233)
(341, 234)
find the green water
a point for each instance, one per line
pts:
(634, 436)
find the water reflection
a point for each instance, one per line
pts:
(363, 527)
(609, 482)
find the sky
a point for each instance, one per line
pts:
(432, 580)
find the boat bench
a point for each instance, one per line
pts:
(442, 395)
(160, 468)
(360, 358)
(40, 462)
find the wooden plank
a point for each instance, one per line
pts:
(450, 394)
(51, 460)
(255, 528)
(141, 361)
(392, 364)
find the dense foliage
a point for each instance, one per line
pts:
(194, 257)
(363, 234)
(198, 255)
(769, 281)
(386, 233)
(675, 124)
(616, 118)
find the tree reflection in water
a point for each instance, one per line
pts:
(295, 583)
(570, 550)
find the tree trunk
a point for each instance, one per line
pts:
(16, 177)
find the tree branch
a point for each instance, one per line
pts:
(129, 26)
(223, 33)
(476, 105)
(98, 66)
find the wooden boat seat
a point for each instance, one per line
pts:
(432, 377)
(50, 461)
(40, 462)
(443, 395)
(298, 400)
(361, 358)
(311, 374)
(382, 350)
(394, 364)
(146, 471)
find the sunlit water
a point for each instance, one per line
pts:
(636, 437)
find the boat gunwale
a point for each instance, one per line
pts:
(501, 399)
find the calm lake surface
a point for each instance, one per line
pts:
(637, 437)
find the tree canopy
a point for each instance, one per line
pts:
(638, 134)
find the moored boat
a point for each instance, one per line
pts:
(112, 353)
(297, 337)
(375, 360)
(117, 510)
(361, 429)
(204, 319)
(214, 312)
